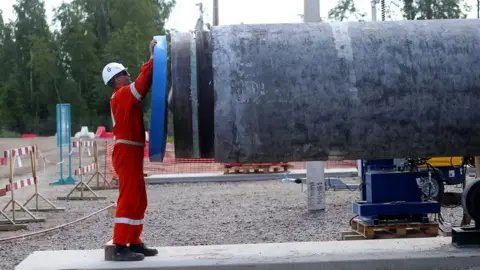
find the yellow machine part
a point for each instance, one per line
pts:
(444, 162)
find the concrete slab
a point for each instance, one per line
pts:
(221, 177)
(418, 253)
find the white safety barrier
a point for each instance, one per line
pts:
(84, 133)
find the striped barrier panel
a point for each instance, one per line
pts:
(21, 184)
(85, 169)
(15, 156)
(81, 171)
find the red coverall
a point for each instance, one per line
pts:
(129, 132)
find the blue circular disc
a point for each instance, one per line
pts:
(159, 108)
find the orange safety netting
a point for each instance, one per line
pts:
(171, 165)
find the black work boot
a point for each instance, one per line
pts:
(123, 253)
(142, 249)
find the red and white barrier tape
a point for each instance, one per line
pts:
(47, 161)
(85, 169)
(78, 144)
(21, 184)
(75, 145)
(19, 152)
(83, 144)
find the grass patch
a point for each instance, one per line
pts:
(9, 134)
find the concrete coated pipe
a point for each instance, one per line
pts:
(350, 90)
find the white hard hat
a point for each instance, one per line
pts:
(111, 70)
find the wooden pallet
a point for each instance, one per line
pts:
(360, 230)
(256, 169)
(444, 231)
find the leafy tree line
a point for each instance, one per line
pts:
(42, 67)
(410, 9)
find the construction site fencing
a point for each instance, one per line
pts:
(12, 215)
(91, 171)
(90, 160)
(172, 165)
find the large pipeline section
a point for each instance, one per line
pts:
(320, 91)
(193, 96)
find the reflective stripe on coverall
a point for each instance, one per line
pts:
(127, 157)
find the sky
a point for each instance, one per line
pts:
(185, 14)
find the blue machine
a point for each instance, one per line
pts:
(394, 190)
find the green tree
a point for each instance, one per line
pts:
(41, 68)
(95, 32)
(344, 10)
(34, 69)
(6, 57)
(79, 52)
(435, 9)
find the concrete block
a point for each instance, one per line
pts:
(109, 250)
(418, 253)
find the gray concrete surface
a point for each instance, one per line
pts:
(418, 253)
(221, 177)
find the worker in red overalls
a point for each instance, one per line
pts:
(129, 132)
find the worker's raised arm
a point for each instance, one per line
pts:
(143, 83)
(130, 93)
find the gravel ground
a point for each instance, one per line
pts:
(196, 214)
(188, 214)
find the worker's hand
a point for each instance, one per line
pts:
(152, 44)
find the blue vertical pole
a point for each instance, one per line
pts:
(70, 179)
(69, 144)
(63, 115)
(60, 143)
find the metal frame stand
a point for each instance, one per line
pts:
(98, 174)
(81, 184)
(14, 223)
(37, 194)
